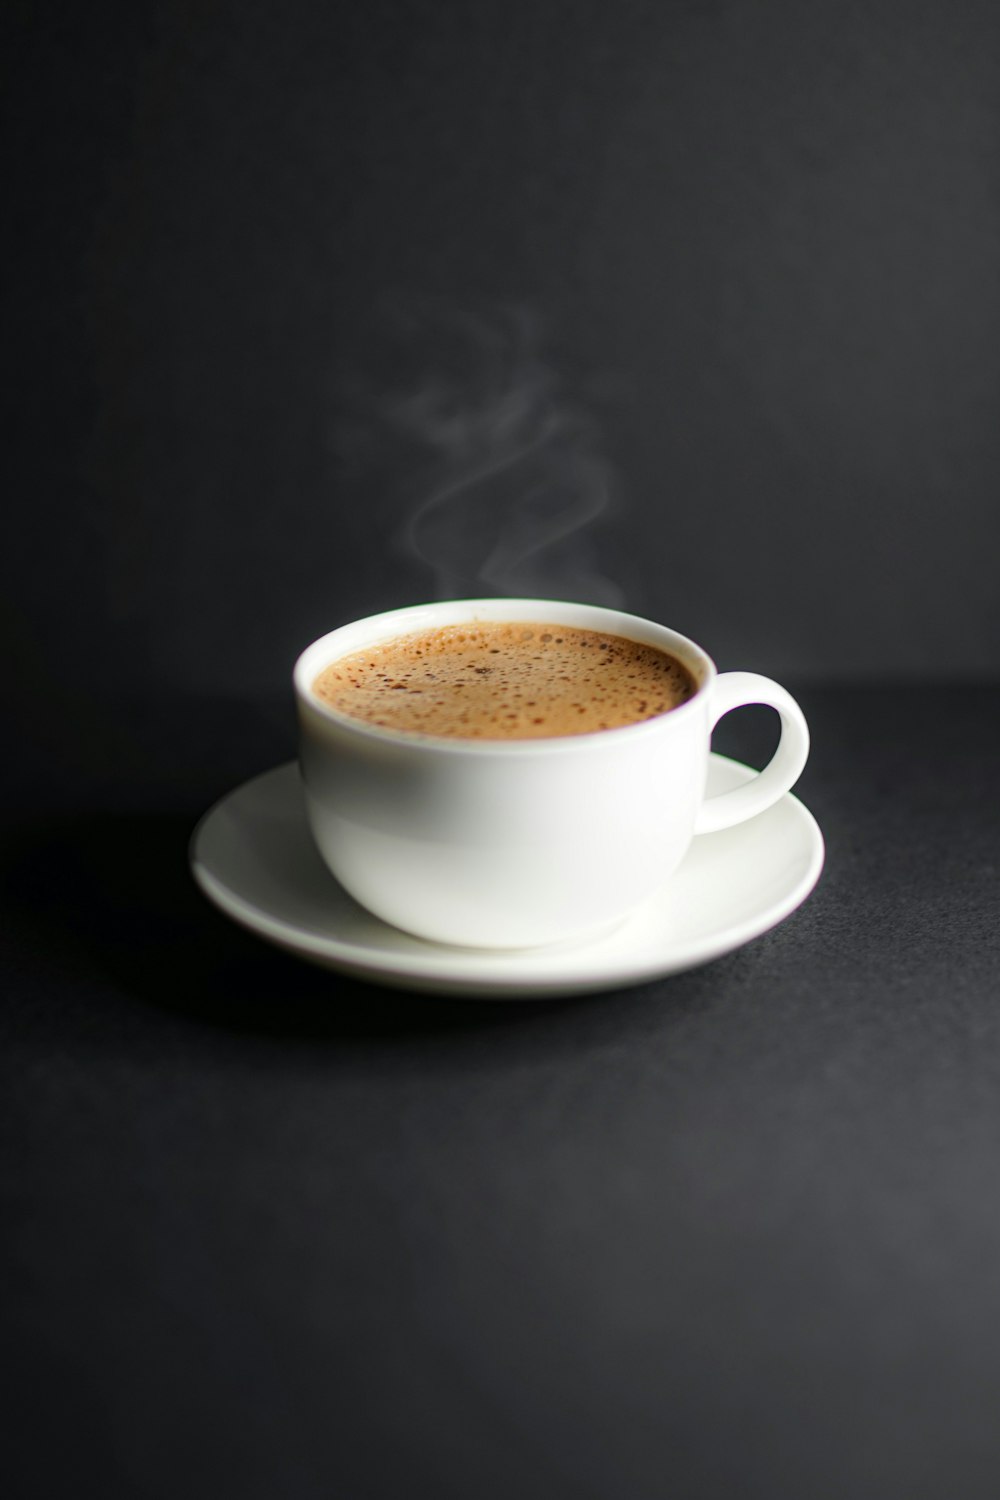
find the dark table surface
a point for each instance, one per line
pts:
(271, 1232)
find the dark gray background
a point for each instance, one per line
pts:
(722, 282)
(758, 247)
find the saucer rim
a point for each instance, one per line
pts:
(416, 970)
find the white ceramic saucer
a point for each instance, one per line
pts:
(253, 855)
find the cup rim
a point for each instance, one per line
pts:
(371, 629)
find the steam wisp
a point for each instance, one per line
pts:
(509, 469)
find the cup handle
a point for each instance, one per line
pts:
(735, 690)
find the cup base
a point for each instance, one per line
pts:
(557, 945)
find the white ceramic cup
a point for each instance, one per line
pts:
(518, 843)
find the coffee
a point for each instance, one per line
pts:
(505, 680)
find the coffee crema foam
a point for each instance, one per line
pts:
(505, 680)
